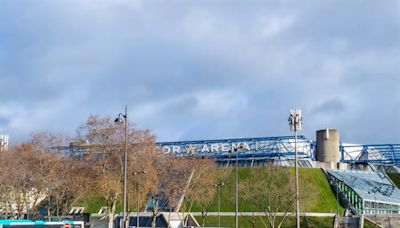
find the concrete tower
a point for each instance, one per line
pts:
(328, 146)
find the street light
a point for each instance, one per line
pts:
(236, 149)
(295, 122)
(123, 118)
(337, 198)
(219, 185)
(138, 196)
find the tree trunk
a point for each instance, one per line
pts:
(186, 218)
(48, 210)
(263, 222)
(111, 215)
(27, 208)
(155, 212)
(32, 212)
(203, 217)
(284, 217)
(169, 217)
(153, 223)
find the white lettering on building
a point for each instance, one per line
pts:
(166, 149)
(225, 147)
(246, 146)
(205, 149)
(214, 147)
(210, 148)
(176, 149)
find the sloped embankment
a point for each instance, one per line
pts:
(313, 183)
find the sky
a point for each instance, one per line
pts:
(194, 69)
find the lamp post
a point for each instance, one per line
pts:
(138, 196)
(219, 185)
(236, 149)
(337, 198)
(295, 122)
(123, 118)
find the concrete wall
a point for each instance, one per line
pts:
(332, 165)
(328, 146)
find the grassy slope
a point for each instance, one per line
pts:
(395, 178)
(368, 224)
(310, 180)
(93, 204)
(323, 199)
(229, 221)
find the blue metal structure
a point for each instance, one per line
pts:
(265, 148)
(371, 153)
(282, 146)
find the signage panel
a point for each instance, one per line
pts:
(248, 146)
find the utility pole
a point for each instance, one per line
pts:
(295, 123)
(219, 185)
(236, 149)
(123, 118)
(337, 198)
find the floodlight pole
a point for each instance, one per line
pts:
(337, 198)
(295, 122)
(219, 185)
(236, 191)
(297, 181)
(236, 186)
(125, 166)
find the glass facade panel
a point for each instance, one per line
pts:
(367, 192)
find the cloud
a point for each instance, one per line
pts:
(273, 25)
(205, 69)
(331, 106)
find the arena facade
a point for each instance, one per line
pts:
(357, 173)
(327, 148)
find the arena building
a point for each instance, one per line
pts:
(356, 172)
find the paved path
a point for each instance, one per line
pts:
(263, 214)
(242, 214)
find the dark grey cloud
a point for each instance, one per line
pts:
(202, 69)
(331, 106)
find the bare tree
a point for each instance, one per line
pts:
(73, 181)
(39, 173)
(270, 189)
(48, 165)
(173, 174)
(106, 153)
(201, 190)
(6, 201)
(29, 170)
(142, 160)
